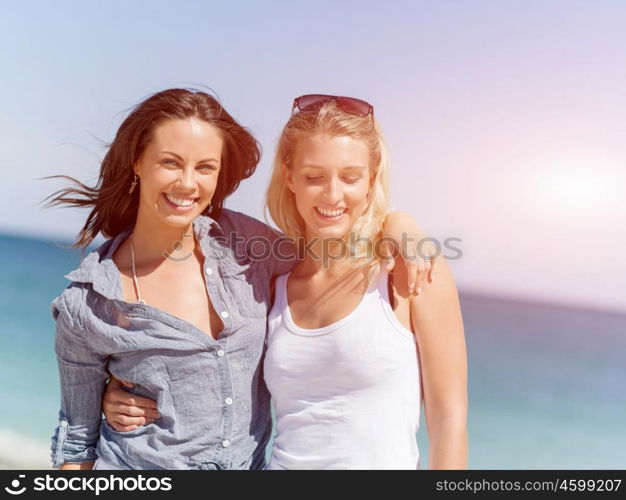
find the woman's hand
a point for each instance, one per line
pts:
(403, 237)
(77, 466)
(125, 411)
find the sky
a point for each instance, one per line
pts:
(505, 119)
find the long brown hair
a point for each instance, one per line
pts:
(114, 210)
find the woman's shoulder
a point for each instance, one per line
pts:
(73, 298)
(70, 303)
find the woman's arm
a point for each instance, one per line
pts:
(79, 466)
(82, 374)
(438, 325)
(406, 244)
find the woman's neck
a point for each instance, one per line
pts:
(328, 257)
(154, 242)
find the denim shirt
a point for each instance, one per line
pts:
(214, 406)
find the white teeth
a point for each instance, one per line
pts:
(182, 202)
(330, 213)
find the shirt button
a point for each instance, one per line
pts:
(220, 353)
(209, 271)
(228, 401)
(224, 314)
(63, 423)
(226, 443)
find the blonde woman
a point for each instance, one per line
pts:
(347, 342)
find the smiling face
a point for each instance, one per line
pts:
(330, 179)
(178, 171)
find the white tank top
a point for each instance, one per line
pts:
(346, 396)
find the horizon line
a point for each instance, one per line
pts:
(463, 289)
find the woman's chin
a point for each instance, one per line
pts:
(328, 232)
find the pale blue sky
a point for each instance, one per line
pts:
(505, 119)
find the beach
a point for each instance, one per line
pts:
(20, 452)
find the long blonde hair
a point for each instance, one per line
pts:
(332, 121)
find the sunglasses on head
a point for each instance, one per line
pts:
(350, 105)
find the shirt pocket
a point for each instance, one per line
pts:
(247, 290)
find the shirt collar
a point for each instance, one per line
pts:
(99, 269)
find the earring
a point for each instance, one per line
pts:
(132, 186)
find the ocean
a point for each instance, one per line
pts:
(546, 382)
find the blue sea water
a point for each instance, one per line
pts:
(546, 382)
